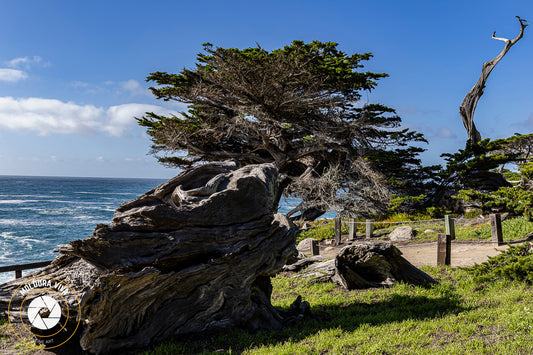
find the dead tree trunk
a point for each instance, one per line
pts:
(467, 108)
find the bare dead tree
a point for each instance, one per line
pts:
(467, 108)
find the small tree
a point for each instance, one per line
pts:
(296, 106)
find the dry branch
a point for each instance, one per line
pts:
(467, 108)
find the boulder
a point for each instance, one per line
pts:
(401, 234)
(192, 255)
(305, 245)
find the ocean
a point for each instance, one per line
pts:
(39, 214)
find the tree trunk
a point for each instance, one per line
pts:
(194, 254)
(467, 108)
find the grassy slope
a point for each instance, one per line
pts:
(457, 316)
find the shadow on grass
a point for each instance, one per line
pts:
(346, 317)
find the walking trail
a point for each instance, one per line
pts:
(462, 253)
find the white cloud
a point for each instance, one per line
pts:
(24, 62)
(12, 75)
(133, 87)
(130, 87)
(445, 132)
(48, 116)
(120, 117)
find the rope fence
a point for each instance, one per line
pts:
(448, 232)
(395, 222)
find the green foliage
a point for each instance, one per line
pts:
(297, 107)
(406, 203)
(473, 213)
(514, 264)
(436, 212)
(526, 170)
(509, 175)
(471, 167)
(505, 199)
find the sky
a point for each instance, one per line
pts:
(72, 73)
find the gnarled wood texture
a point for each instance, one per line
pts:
(194, 254)
(468, 106)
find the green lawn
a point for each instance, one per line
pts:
(456, 316)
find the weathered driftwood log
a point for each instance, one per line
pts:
(363, 265)
(194, 254)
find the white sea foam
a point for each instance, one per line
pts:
(25, 222)
(7, 235)
(16, 202)
(105, 193)
(28, 196)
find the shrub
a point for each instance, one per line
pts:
(508, 199)
(515, 264)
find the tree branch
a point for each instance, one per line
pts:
(468, 106)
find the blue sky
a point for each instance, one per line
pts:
(72, 72)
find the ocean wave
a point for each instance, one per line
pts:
(16, 202)
(7, 235)
(30, 196)
(105, 193)
(25, 222)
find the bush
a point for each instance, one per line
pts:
(514, 264)
(507, 199)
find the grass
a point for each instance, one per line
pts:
(9, 341)
(456, 316)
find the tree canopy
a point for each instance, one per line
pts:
(299, 107)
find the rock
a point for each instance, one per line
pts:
(194, 254)
(401, 234)
(305, 245)
(367, 264)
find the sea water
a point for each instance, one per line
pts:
(39, 214)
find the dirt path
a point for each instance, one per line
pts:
(463, 253)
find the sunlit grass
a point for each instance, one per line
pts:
(456, 316)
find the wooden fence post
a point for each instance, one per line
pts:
(496, 228)
(444, 249)
(314, 247)
(450, 226)
(351, 229)
(337, 230)
(369, 228)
